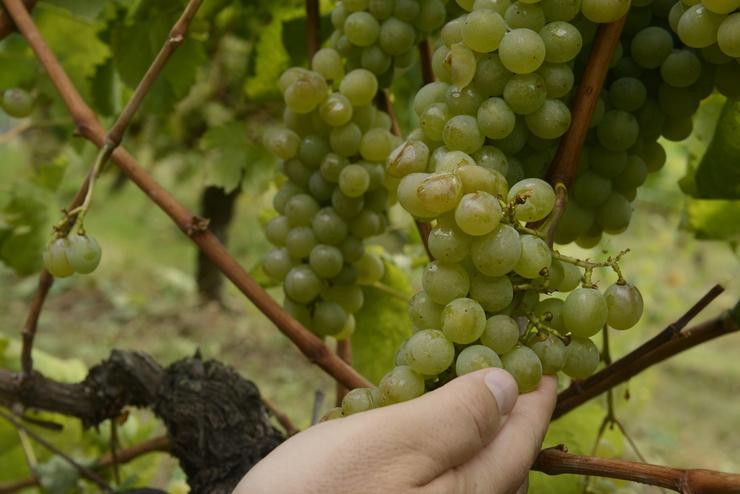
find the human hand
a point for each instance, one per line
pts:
(472, 435)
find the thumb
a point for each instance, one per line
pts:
(453, 423)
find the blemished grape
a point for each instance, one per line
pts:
(429, 352)
(533, 198)
(409, 157)
(56, 261)
(401, 384)
(17, 103)
(585, 312)
(522, 363)
(498, 252)
(463, 320)
(476, 357)
(360, 400)
(551, 352)
(83, 253)
(624, 303)
(535, 257)
(551, 311)
(408, 196)
(581, 358)
(476, 178)
(439, 192)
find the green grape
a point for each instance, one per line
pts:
(533, 198)
(492, 293)
(354, 180)
(360, 400)
(396, 36)
(603, 11)
(312, 150)
(575, 221)
(400, 384)
(651, 46)
(614, 215)
(329, 318)
(605, 163)
(466, 4)
(374, 59)
(451, 32)
(347, 276)
(331, 166)
(376, 145)
(361, 28)
(551, 352)
(491, 76)
(728, 35)
(476, 357)
(714, 54)
(276, 230)
(498, 252)
(571, 277)
(16, 102)
(283, 143)
(424, 313)
(433, 120)
(336, 110)
(328, 227)
(524, 93)
(558, 78)
(634, 174)
(429, 94)
(698, 26)
(448, 244)
(345, 140)
(584, 312)
(355, 5)
(451, 161)
(367, 224)
(681, 68)
(345, 206)
(478, 213)
(463, 320)
(429, 353)
(496, 119)
(674, 15)
(299, 312)
(408, 196)
(277, 263)
(625, 305)
(465, 100)
(300, 241)
(618, 130)
(523, 15)
(83, 253)
(439, 192)
(549, 121)
(359, 86)
(55, 259)
(350, 297)
(501, 333)
(551, 309)
(535, 256)
(370, 269)
(476, 178)
(461, 132)
(522, 51)
(326, 260)
(283, 195)
(332, 414)
(654, 156)
(591, 190)
(300, 209)
(561, 10)
(581, 358)
(347, 330)
(562, 41)
(305, 94)
(444, 283)
(525, 366)
(492, 158)
(297, 172)
(483, 30)
(409, 157)
(328, 63)
(432, 15)
(407, 10)
(301, 284)
(320, 188)
(352, 249)
(721, 6)
(677, 102)
(461, 64)
(677, 129)
(627, 93)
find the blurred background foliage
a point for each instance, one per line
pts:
(198, 134)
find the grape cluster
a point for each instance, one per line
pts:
(653, 89)
(381, 35)
(333, 196)
(17, 103)
(482, 302)
(708, 24)
(76, 253)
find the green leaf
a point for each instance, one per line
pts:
(381, 326)
(713, 219)
(227, 152)
(718, 173)
(19, 65)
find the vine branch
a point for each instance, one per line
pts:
(89, 127)
(312, 28)
(556, 461)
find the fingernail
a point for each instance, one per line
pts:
(503, 388)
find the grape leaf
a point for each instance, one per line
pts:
(19, 65)
(713, 218)
(718, 173)
(381, 326)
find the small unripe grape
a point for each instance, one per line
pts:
(55, 259)
(17, 103)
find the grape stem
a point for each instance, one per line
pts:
(312, 28)
(589, 266)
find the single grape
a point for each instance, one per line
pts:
(478, 213)
(525, 15)
(328, 63)
(524, 94)
(585, 312)
(535, 257)
(83, 253)
(329, 318)
(551, 352)
(562, 41)
(522, 51)
(681, 68)
(533, 198)
(301, 284)
(476, 357)
(498, 252)
(408, 195)
(524, 364)
(461, 132)
(549, 121)
(728, 35)
(551, 311)
(501, 333)
(396, 36)
(445, 282)
(299, 242)
(283, 143)
(603, 11)
(439, 192)
(277, 263)
(463, 320)
(360, 400)
(361, 28)
(428, 352)
(326, 260)
(409, 157)
(476, 178)
(483, 30)
(56, 261)
(558, 77)
(491, 75)
(370, 268)
(460, 62)
(614, 215)
(625, 305)
(448, 244)
(698, 26)
(581, 358)
(359, 86)
(424, 313)
(400, 384)
(16, 102)
(495, 118)
(492, 293)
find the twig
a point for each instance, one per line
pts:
(312, 28)
(281, 417)
(344, 350)
(556, 461)
(88, 126)
(7, 25)
(425, 55)
(32, 321)
(84, 471)
(637, 361)
(318, 401)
